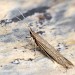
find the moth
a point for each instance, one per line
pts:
(46, 48)
(50, 51)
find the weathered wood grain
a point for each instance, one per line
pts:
(50, 51)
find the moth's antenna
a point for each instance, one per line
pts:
(18, 18)
(23, 17)
(21, 13)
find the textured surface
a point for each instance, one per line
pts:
(17, 55)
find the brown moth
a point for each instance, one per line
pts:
(50, 51)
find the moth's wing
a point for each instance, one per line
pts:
(49, 50)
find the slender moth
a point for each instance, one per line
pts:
(50, 51)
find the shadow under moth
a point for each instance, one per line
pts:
(50, 51)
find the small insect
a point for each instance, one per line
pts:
(46, 48)
(50, 51)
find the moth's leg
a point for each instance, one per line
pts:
(35, 46)
(30, 40)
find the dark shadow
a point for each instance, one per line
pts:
(30, 12)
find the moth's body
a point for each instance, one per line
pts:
(50, 51)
